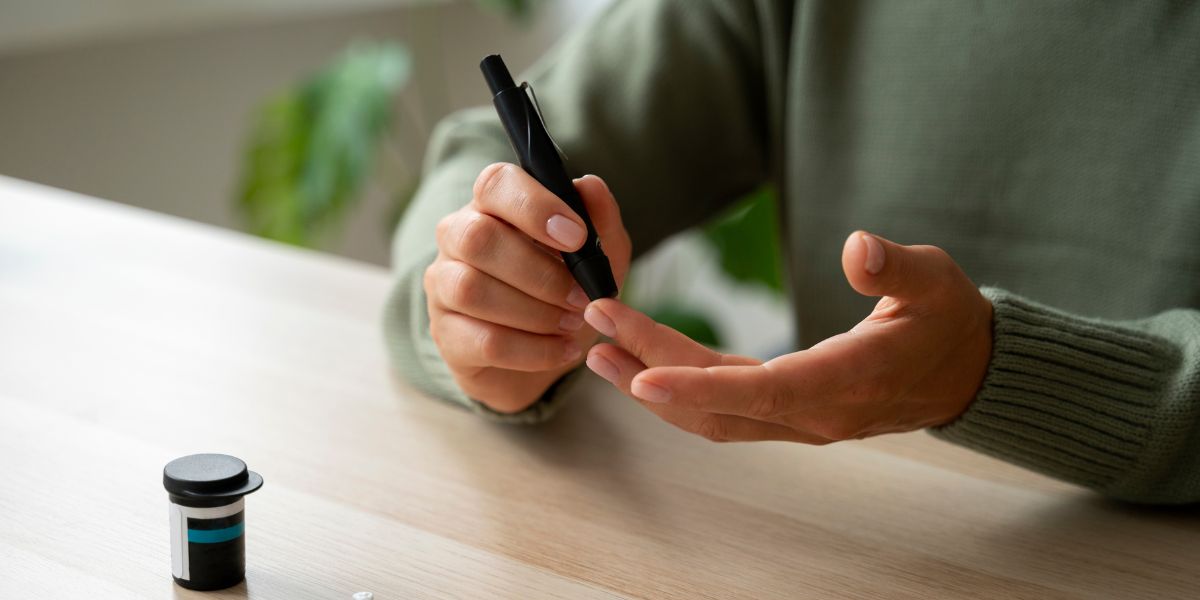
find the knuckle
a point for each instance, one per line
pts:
(936, 253)
(551, 355)
(443, 228)
(765, 405)
(513, 203)
(465, 287)
(773, 399)
(944, 266)
(472, 387)
(478, 237)
(490, 345)
(489, 180)
(429, 279)
(551, 281)
(711, 429)
(835, 430)
(644, 336)
(520, 202)
(435, 331)
(504, 401)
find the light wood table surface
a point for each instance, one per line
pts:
(129, 338)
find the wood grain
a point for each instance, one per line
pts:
(129, 338)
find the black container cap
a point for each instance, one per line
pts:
(210, 476)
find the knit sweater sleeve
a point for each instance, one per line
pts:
(1114, 406)
(664, 99)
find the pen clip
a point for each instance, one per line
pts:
(537, 109)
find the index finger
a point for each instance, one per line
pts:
(651, 342)
(793, 383)
(748, 391)
(508, 193)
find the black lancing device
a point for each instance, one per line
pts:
(539, 157)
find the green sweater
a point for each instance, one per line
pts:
(1052, 148)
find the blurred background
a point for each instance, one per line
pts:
(305, 121)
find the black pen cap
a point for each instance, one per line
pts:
(496, 74)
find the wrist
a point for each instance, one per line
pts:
(976, 360)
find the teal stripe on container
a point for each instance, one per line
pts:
(215, 536)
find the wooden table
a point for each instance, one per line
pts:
(129, 338)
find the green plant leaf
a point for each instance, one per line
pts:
(312, 147)
(747, 240)
(687, 322)
(516, 9)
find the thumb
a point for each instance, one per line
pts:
(878, 267)
(606, 217)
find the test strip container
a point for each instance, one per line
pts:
(207, 509)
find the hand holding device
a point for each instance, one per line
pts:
(504, 311)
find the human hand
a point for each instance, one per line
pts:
(916, 361)
(504, 311)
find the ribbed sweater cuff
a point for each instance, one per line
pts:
(1070, 397)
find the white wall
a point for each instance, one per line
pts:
(157, 118)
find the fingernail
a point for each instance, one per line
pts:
(602, 182)
(565, 231)
(570, 351)
(875, 254)
(603, 367)
(600, 321)
(650, 392)
(570, 321)
(577, 297)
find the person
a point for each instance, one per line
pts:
(1049, 151)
